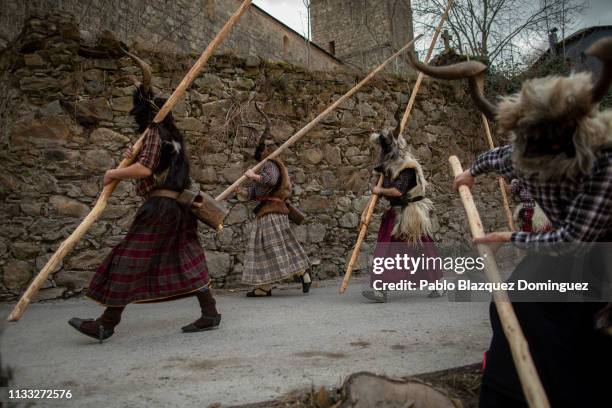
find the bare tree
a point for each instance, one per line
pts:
(499, 29)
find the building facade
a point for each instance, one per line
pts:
(184, 26)
(362, 33)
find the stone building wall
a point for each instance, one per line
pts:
(65, 121)
(177, 25)
(363, 32)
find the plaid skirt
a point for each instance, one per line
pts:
(273, 253)
(159, 259)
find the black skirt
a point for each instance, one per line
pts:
(572, 358)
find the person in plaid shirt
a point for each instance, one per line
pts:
(160, 258)
(273, 253)
(405, 227)
(561, 152)
(562, 337)
(562, 155)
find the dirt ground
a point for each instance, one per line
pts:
(461, 384)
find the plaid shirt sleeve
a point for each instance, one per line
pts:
(270, 174)
(151, 149)
(498, 160)
(589, 217)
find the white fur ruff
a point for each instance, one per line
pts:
(539, 221)
(414, 221)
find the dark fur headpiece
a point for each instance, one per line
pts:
(392, 144)
(265, 139)
(173, 163)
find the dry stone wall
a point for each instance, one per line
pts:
(65, 121)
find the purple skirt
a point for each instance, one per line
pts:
(389, 246)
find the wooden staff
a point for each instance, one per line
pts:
(500, 180)
(293, 139)
(532, 386)
(363, 228)
(72, 240)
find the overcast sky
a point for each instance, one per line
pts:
(293, 13)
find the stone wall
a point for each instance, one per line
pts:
(364, 33)
(177, 25)
(65, 121)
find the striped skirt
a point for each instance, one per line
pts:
(159, 259)
(273, 252)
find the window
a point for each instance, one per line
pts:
(332, 47)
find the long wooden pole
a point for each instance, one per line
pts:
(100, 205)
(363, 228)
(500, 180)
(293, 139)
(532, 386)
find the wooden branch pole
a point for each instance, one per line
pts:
(532, 386)
(363, 228)
(293, 139)
(100, 205)
(500, 180)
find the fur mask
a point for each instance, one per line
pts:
(395, 155)
(555, 126)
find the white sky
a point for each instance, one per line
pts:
(599, 13)
(293, 13)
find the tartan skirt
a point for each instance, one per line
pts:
(159, 259)
(273, 252)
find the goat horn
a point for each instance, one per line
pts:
(474, 71)
(460, 70)
(398, 118)
(476, 87)
(267, 128)
(144, 67)
(602, 50)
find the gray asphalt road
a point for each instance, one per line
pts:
(264, 348)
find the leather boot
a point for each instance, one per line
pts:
(210, 318)
(101, 328)
(306, 282)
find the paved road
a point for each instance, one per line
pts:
(264, 348)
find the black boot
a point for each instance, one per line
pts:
(210, 318)
(101, 328)
(306, 282)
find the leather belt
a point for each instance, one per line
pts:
(414, 199)
(164, 193)
(185, 197)
(266, 198)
